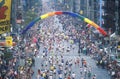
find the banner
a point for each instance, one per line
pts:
(5, 12)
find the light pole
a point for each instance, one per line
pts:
(100, 13)
(116, 22)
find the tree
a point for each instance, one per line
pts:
(30, 15)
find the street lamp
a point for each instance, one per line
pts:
(100, 12)
(116, 22)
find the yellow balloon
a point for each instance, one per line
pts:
(88, 21)
(44, 16)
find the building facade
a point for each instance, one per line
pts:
(111, 16)
(87, 8)
(19, 10)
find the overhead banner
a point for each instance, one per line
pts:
(5, 12)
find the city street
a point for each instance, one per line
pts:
(59, 39)
(71, 55)
(101, 73)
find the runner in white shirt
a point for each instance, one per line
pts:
(50, 77)
(73, 75)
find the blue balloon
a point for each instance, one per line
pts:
(28, 27)
(71, 14)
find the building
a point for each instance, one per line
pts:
(118, 16)
(19, 10)
(64, 5)
(87, 8)
(111, 16)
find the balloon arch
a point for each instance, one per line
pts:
(68, 13)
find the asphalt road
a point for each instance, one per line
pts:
(100, 73)
(73, 54)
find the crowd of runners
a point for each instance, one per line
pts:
(49, 41)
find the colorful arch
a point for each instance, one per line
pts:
(68, 13)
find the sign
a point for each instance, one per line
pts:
(5, 12)
(8, 41)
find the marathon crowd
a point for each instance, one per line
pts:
(54, 65)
